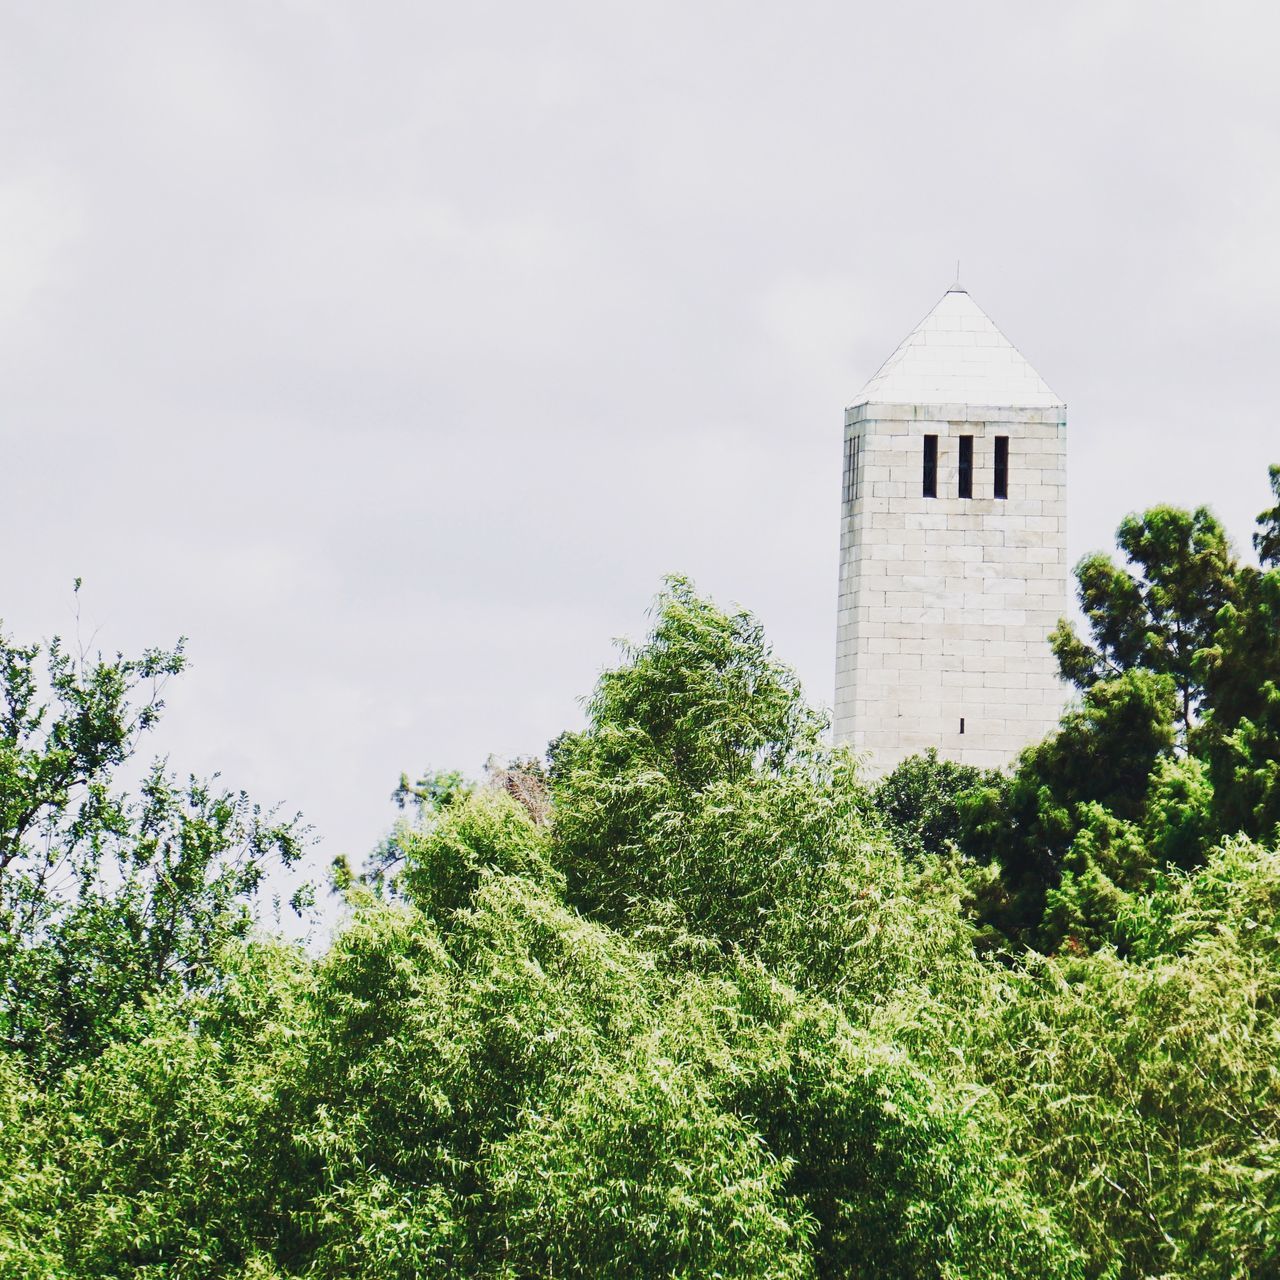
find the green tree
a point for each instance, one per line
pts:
(700, 1017)
(1266, 540)
(29, 1239)
(106, 897)
(1241, 675)
(1141, 1090)
(920, 799)
(1099, 762)
(1158, 611)
(689, 802)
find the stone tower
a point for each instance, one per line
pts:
(952, 548)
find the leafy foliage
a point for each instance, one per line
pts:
(1174, 745)
(1143, 1089)
(921, 802)
(106, 899)
(1160, 612)
(1266, 540)
(689, 803)
(1241, 672)
(692, 999)
(1098, 763)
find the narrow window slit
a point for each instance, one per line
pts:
(1002, 466)
(966, 466)
(852, 467)
(931, 466)
(962, 724)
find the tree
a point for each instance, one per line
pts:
(920, 800)
(1098, 763)
(1157, 613)
(538, 1053)
(1142, 1089)
(106, 897)
(1242, 731)
(1266, 540)
(1240, 672)
(688, 803)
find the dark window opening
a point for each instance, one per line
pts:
(1002, 466)
(931, 466)
(852, 467)
(966, 466)
(962, 724)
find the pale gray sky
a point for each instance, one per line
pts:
(393, 351)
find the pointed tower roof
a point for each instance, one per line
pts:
(955, 355)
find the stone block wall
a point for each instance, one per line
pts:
(946, 603)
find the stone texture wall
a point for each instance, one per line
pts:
(946, 603)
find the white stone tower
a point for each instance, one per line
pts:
(952, 548)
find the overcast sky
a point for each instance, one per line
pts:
(393, 352)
